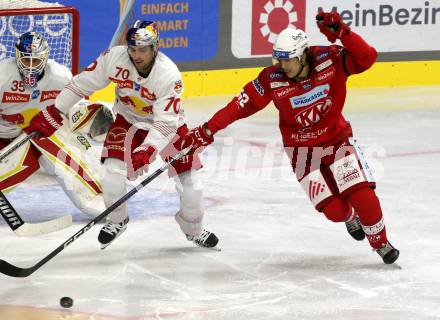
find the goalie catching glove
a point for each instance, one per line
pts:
(46, 122)
(331, 25)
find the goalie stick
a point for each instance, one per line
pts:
(17, 145)
(14, 271)
(26, 229)
(13, 219)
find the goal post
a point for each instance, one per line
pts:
(57, 23)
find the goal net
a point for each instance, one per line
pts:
(57, 23)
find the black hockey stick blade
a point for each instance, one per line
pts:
(14, 271)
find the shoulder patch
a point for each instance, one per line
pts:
(275, 75)
(178, 86)
(322, 55)
(258, 87)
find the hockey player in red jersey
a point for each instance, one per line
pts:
(307, 85)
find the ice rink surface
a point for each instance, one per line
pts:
(279, 260)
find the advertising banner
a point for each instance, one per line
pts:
(390, 26)
(188, 29)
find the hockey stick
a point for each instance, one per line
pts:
(124, 16)
(25, 229)
(17, 145)
(13, 219)
(14, 271)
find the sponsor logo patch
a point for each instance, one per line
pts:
(307, 86)
(48, 95)
(13, 97)
(325, 75)
(346, 172)
(275, 75)
(116, 136)
(314, 113)
(322, 56)
(310, 97)
(76, 116)
(315, 189)
(35, 94)
(122, 83)
(323, 65)
(178, 86)
(258, 87)
(274, 85)
(84, 142)
(280, 93)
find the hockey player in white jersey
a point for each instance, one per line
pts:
(149, 122)
(29, 85)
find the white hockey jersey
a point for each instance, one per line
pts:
(151, 103)
(20, 104)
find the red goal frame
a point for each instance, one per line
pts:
(54, 10)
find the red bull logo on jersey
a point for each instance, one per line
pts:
(310, 97)
(178, 86)
(48, 95)
(145, 93)
(13, 97)
(138, 105)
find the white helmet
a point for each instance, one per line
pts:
(290, 43)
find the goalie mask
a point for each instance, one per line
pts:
(291, 43)
(31, 54)
(143, 33)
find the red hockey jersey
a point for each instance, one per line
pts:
(310, 111)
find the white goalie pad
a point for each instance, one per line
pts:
(18, 165)
(92, 119)
(75, 163)
(14, 160)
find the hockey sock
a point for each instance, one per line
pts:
(337, 210)
(367, 206)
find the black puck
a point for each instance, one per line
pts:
(66, 302)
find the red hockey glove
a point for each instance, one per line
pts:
(46, 122)
(198, 137)
(331, 25)
(141, 157)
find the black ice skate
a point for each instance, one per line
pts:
(388, 253)
(205, 239)
(110, 231)
(354, 228)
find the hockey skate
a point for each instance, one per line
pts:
(110, 231)
(205, 239)
(354, 228)
(388, 253)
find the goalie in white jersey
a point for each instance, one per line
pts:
(29, 85)
(149, 121)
